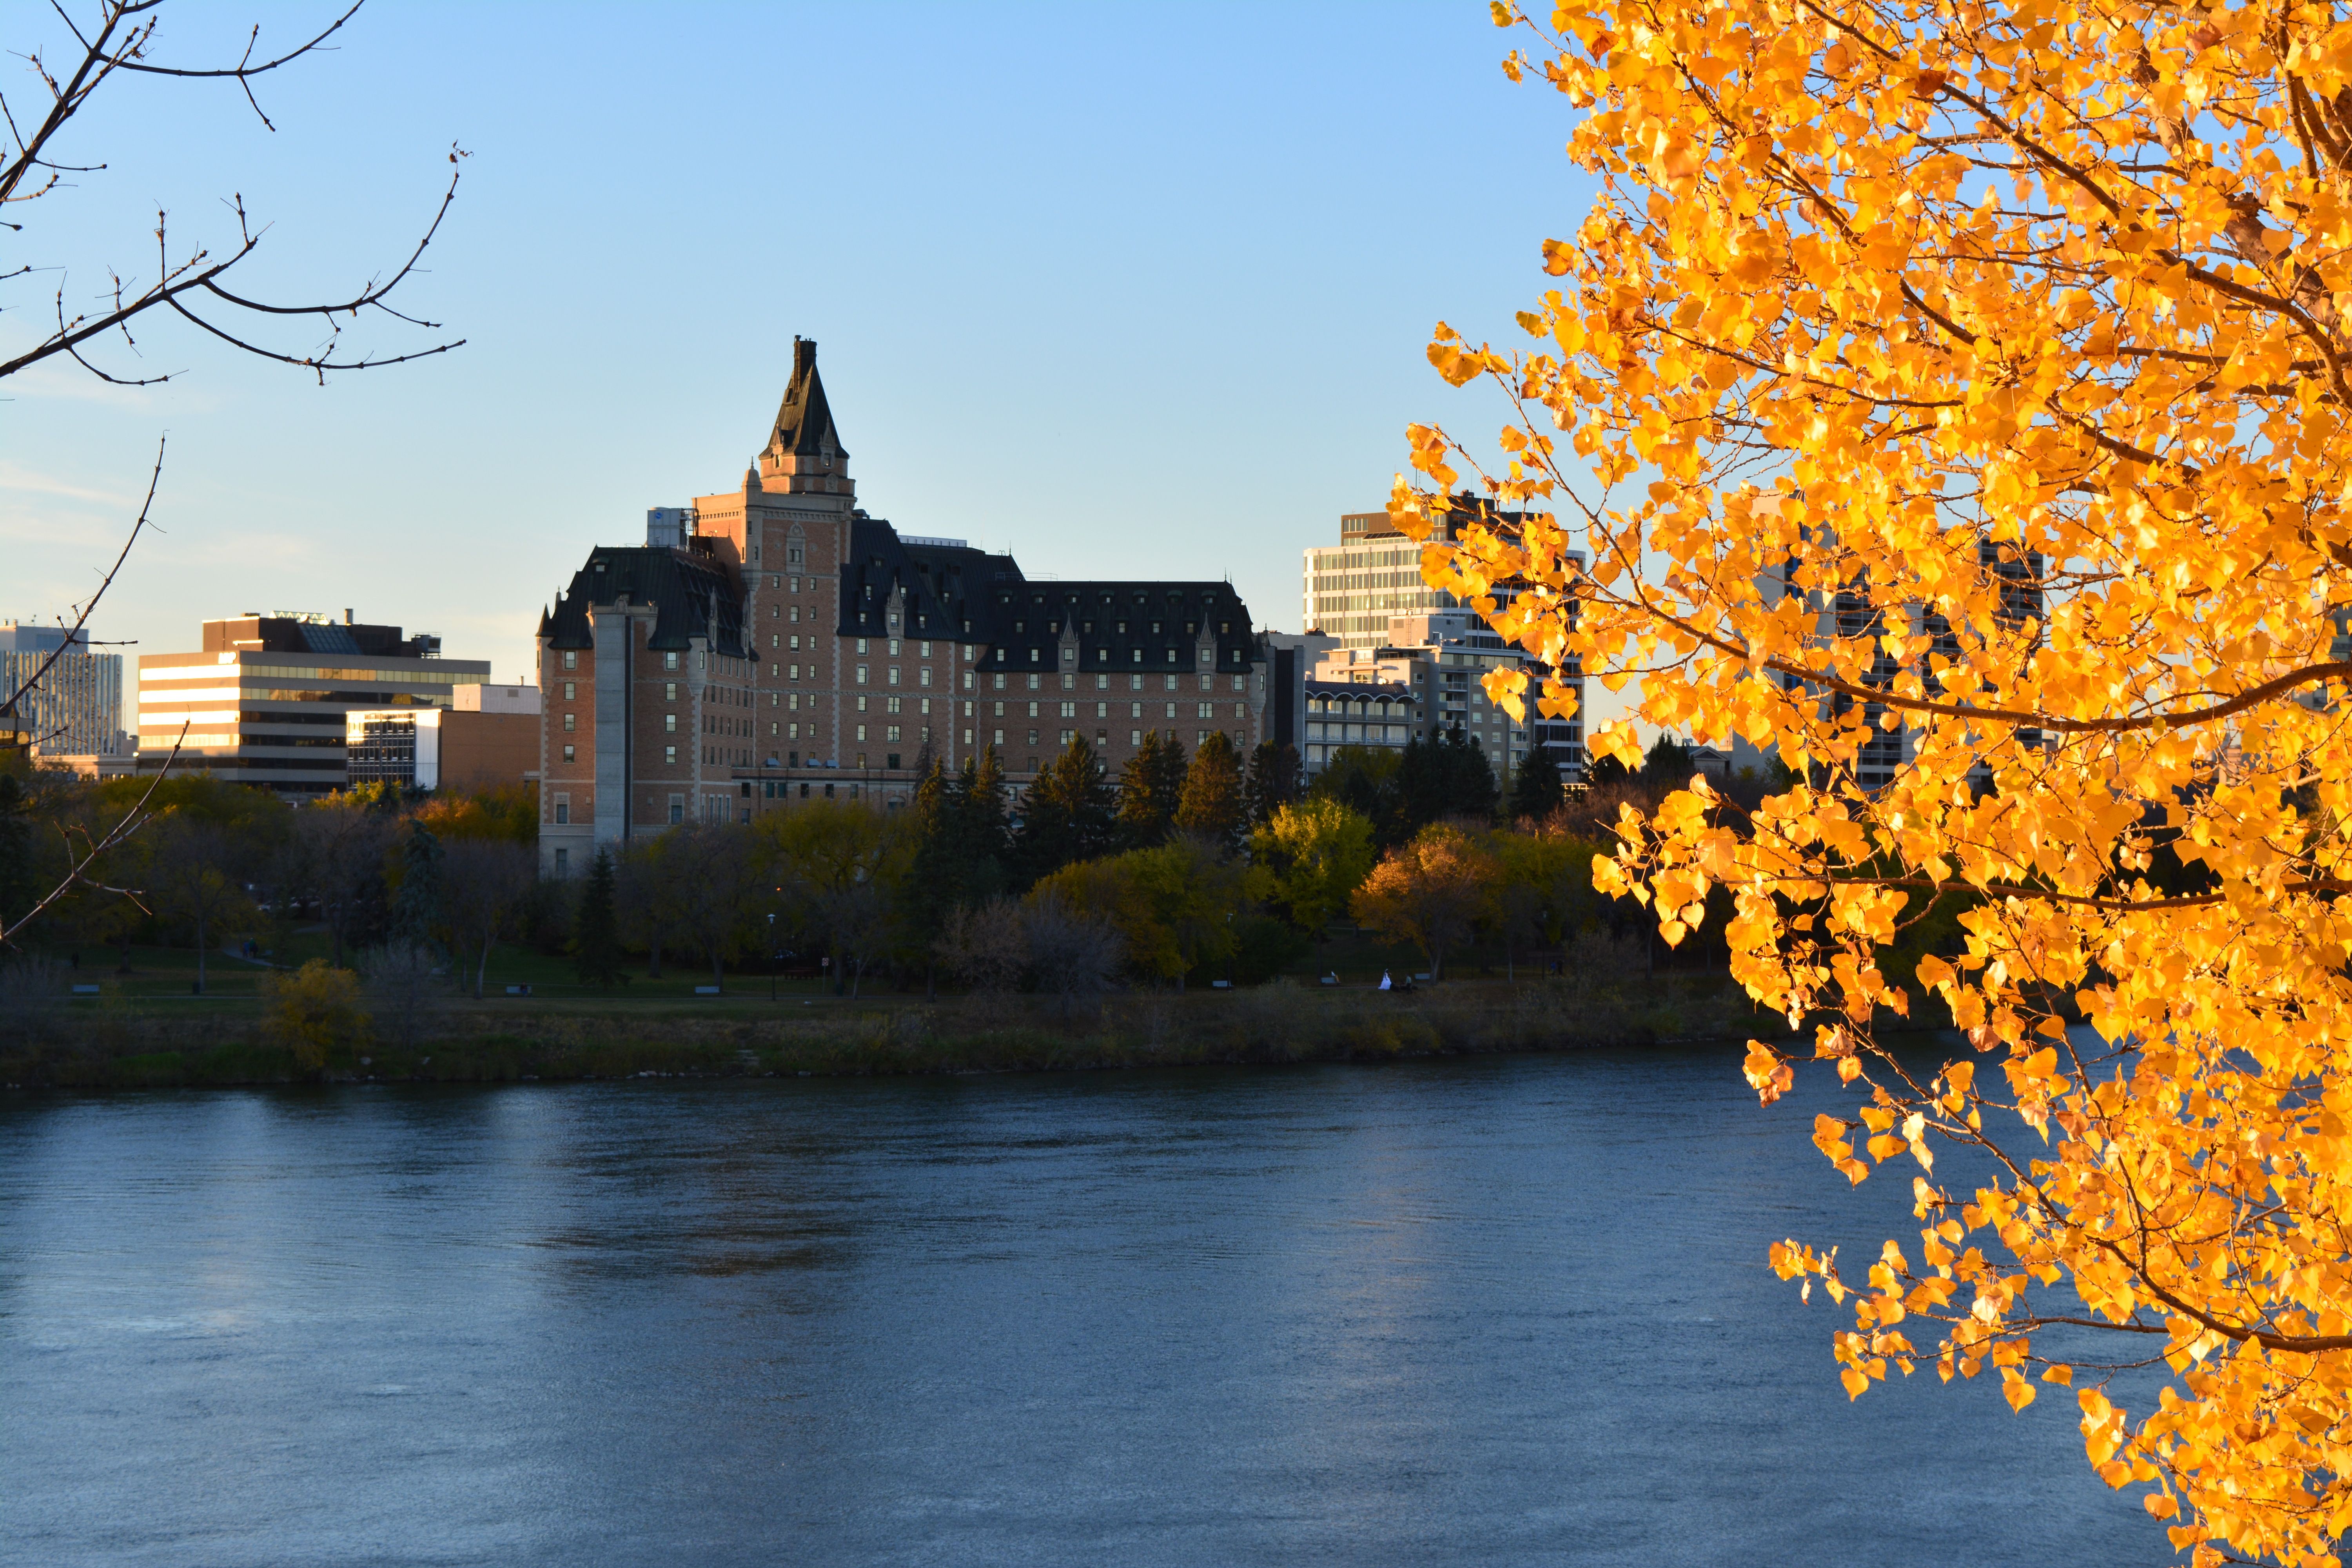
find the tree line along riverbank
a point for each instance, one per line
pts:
(142, 1043)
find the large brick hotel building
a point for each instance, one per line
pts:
(774, 644)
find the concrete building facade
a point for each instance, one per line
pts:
(1385, 625)
(775, 643)
(265, 702)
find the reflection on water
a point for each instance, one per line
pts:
(1500, 1311)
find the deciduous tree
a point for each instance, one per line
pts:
(1310, 859)
(1955, 395)
(1430, 892)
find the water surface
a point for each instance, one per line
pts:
(1507, 1310)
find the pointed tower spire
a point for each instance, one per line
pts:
(804, 451)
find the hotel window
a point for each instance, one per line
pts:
(571, 659)
(1033, 740)
(1135, 737)
(890, 704)
(676, 807)
(1241, 709)
(567, 690)
(926, 704)
(861, 732)
(861, 644)
(1065, 736)
(1135, 710)
(669, 660)
(1033, 710)
(1102, 710)
(923, 675)
(568, 755)
(1000, 737)
(892, 678)
(861, 702)
(1069, 710)
(568, 725)
(563, 864)
(669, 691)
(894, 641)
(1207, 710)
(563, 810)
(891, 733)
(669, 755)
(861, 672)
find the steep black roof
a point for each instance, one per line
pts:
(805, 422)
(947, 586)
(695, 594)
(1140, 627)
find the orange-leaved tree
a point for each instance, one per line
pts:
(1954, 397)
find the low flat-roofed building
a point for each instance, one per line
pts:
(488, 737)
(265, 702)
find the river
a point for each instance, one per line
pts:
(1494, 1312)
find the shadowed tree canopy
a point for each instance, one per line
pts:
(1150, 786)
(1210, 806)
(1067, 814)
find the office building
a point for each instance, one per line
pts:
(75, 708)
(264, 701)
(488, 738)
(775, 643)
(1386, 626)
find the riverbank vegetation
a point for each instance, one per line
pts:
(115, 1041)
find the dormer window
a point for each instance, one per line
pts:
(1155, 628)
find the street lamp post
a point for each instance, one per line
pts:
(771, 955)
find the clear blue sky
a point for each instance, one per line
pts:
(1129, 292)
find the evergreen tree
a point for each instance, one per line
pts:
(984, 831)
(1601, 772)
(1535, 790)
(595, 930)
(1469, 787)
(1668, 762)
(1438, 779)
(1211, 802)
(416, 906)
(1069, 813)
(1149, 787)
(1274, 781)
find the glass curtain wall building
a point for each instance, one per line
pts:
(76, 710)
